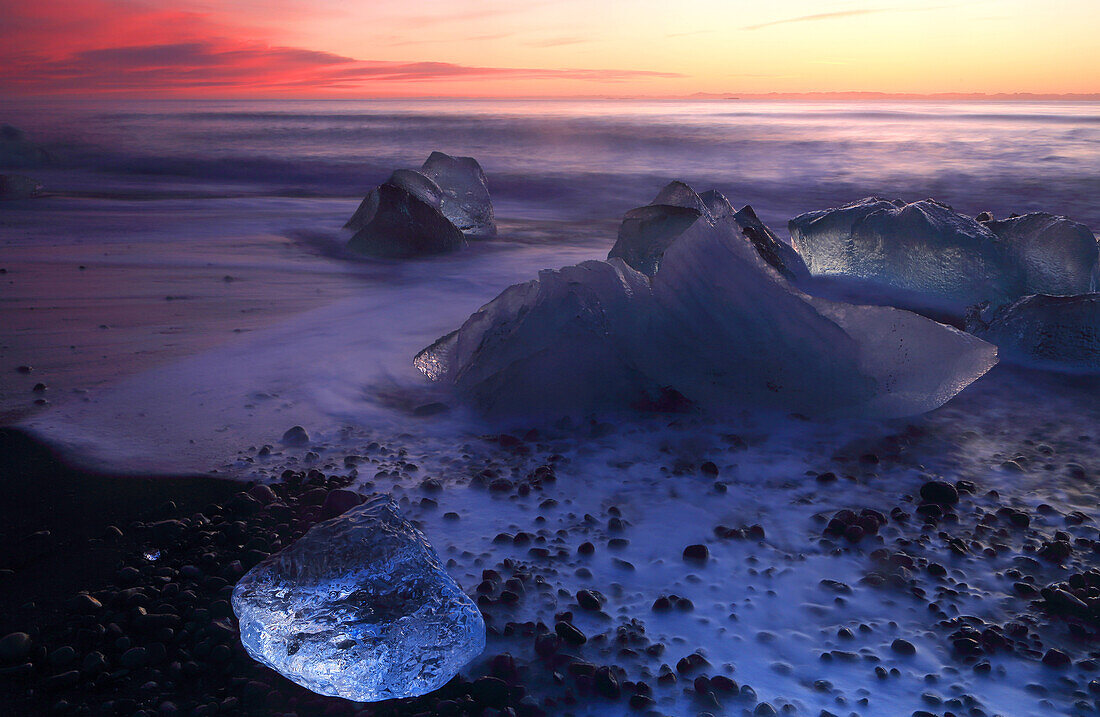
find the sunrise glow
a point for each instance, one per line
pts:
(491, 48)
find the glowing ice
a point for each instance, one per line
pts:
(923, 248)
(717, 324)
(1055, 332)
(361, 608)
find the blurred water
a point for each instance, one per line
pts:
(173, 227)
(571, 159)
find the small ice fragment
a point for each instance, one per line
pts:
(361, 608)
(1060, 333)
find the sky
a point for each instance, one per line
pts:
(553, 48)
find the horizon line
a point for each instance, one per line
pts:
(712, 96)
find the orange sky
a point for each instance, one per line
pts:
(489, 48)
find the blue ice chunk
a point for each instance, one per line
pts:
(361, 608)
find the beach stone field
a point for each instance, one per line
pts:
(945, 565)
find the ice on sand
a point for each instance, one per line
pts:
(361, 608)
(1054, 332)
(465, 200)
(646, 232)
(716, 323)
(1057, 256)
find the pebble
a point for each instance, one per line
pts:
(696, 553)
(15, 648)
(295, 436)
(939, 493)
(903, 647)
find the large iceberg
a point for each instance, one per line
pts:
(646, 232)
(465, 200)
(924, 250)
(716, 324)
(1057, 256)
(1053, 332)
(361, 608)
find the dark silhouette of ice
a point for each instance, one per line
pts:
(361, 608)
(717, 324)
(401, 218)
(430, 211)
(1052, 332)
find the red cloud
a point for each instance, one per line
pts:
(95, 46)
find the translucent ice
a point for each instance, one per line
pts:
(361, 608)
(1055, 332)
(1057, 256)
(646, 232)
(922, 248)
(728, 329)
(717, 324)
(465, 198)
(556, 346)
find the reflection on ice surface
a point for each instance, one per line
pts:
(359, 607)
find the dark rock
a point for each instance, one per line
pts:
(339, 501)
(491, 691)
(903, 647)
(939, 493)
(605, 683)
(295, 436)
(85, 604)
(696, 553)
(568, 632)
(589, 600)
(15, 648)
(134, 657)
(1056, 658)
(263, 494)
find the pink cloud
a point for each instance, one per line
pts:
(96, 46)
